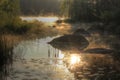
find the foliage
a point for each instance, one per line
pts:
(9, 11)
(92, 10)
(6, 54)
(39, 7)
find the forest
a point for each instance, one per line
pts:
(40, 7)
(92, 10)
(103, 11)
(85, 10)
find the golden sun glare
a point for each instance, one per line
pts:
(75, 59)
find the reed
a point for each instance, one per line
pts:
(6, 54)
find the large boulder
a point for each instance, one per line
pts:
(69, 43)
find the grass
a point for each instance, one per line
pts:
(7, 43)
(6, 55)
(34, 29)
(39, 29)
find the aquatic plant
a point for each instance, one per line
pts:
(6, 54)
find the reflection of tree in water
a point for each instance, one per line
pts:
(53, 53)
(48, 52)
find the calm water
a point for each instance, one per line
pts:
(37, 60)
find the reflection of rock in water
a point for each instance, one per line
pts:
(70, 42)
(48, 52)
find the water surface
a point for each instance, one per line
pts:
(39, 61)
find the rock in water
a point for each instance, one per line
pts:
(70, 43)
(99, 51)
(82, 32)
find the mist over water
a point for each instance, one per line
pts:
(40, 18)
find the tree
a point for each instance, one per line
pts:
(92, 10)
(9, 11)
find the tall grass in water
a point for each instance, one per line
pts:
(6, 54)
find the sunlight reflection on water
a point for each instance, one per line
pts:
(75, 59)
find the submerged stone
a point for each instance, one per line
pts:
(99, 51)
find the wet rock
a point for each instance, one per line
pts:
(59, 21)
(99, 51)
(82, 32)
(70, 43)
(97, 28)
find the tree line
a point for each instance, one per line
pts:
(11, 23)
(39, 7)
(9, 12)
(92, 10)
